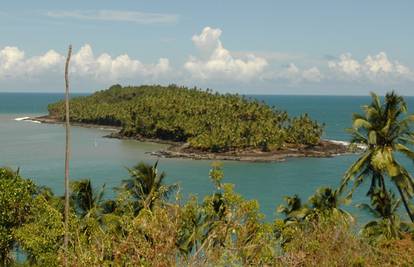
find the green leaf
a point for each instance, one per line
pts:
(361, 123)
(372, 138)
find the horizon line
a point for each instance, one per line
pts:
(77, 92)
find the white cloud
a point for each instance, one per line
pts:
(14, 65)
(208, 41)
(376, 68)
(312, 74)
(272, 55)
(104, 67)
(213, 66)
(346, 65)
(116, 15)
(10, 61)
(291, 72)
(216, 62)
(378, 64)
(294, 75)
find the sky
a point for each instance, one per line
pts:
(249, 47)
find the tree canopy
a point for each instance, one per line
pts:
(207, 121)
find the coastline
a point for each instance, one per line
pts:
(325, 149)
(49, 120)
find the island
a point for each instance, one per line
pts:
(199, 124)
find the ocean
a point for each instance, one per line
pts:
(38, 150)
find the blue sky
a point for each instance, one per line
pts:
(255, 47)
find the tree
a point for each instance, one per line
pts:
(385, 130)
(294, 210)
(40, 236)
(67, 152)
(328, 201)
(16, 197)
(384, 207)
(84, 199)
(206, 121)
(325, 201)
(146, 186)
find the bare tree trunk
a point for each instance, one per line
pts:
(67, 155)
(405, 202)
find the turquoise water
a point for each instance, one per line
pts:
(38, 149)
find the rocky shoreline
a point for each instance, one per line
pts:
(325, 148)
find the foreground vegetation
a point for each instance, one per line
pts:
(207, 121)
(143, 227)
(148, 224)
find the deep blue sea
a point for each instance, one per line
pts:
(38, 149)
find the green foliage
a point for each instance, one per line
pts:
(216, 174)
(84, 199)
(222, 230)
(207, 121)
(304, 130)
(384, 207)
(41, 237)
(385, 128)
(225, 229)
(325, 203)
(16, 196)
(146, 186)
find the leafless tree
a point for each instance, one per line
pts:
(67, 155)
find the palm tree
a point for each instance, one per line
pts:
(84, 199)
(146, 185)
(328, 200)
(385, 130)
(325, 201)
(384, 207)
(194, 228)
(294, 211)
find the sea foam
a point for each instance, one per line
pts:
(26, 119)
(21, 119)
(345, 143)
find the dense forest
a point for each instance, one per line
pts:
(148, 223)
(207, 121)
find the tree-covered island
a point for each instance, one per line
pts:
(200, 124)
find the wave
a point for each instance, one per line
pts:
(345, 143)
(34, 121)
(26, 119)
(21, 119)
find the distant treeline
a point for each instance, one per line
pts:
(207, 121)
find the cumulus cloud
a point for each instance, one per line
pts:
(346, 65)
(213, 63)
(104, 67)
(14, 65)
(295, 75)
(216, 62)
(116, 15)
(374, 68)
(208, 41)
(312, 74)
